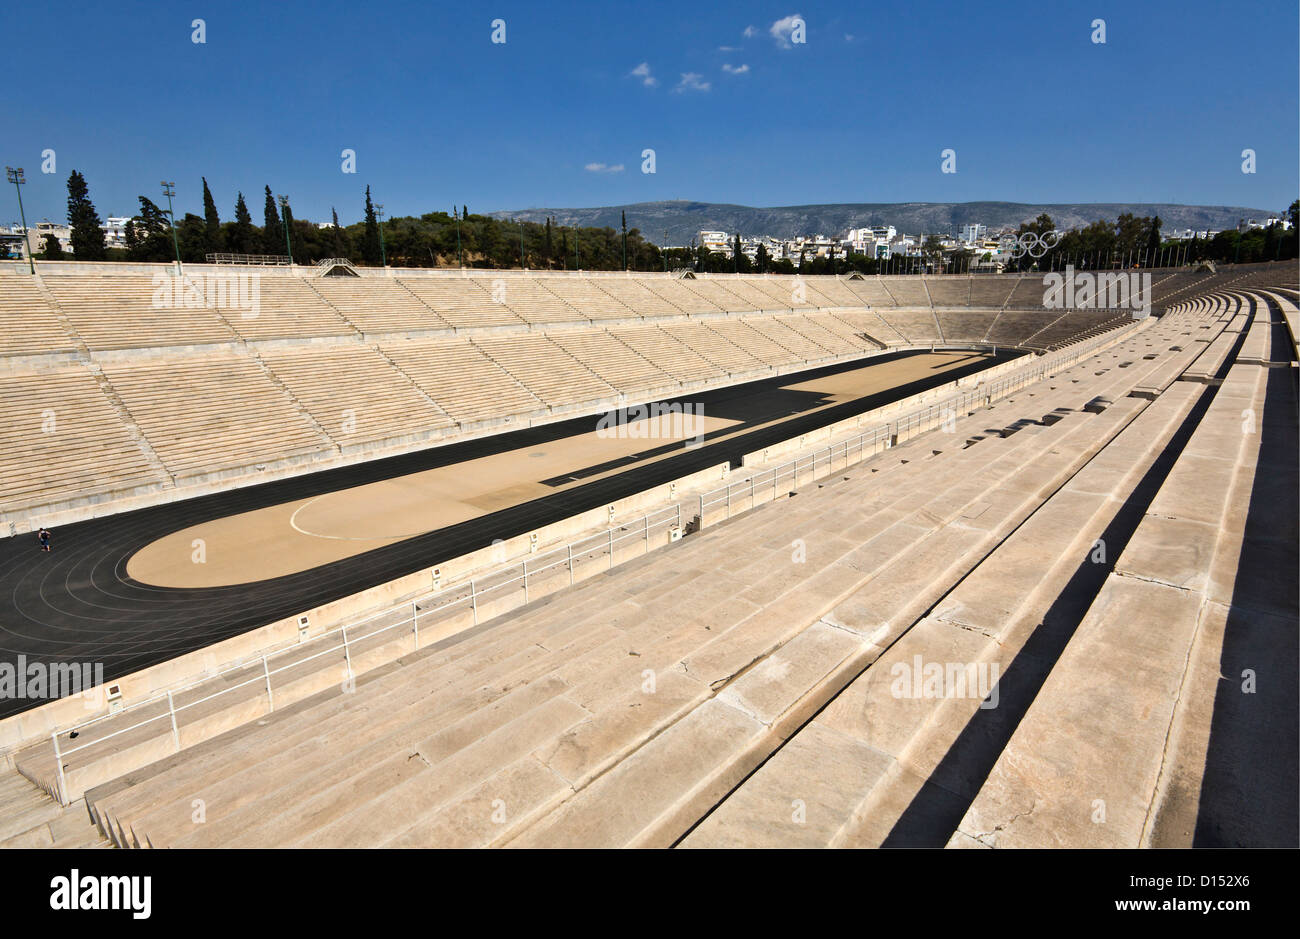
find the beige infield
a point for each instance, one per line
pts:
(302, 534)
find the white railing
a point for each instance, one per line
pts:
(329, 263)
(437, 605)
(470, 595)
(250, 260)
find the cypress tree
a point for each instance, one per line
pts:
(212, 224)
(87, 236)
(341, 248)
(241, 236)
(370, 240)
(1153, 241)
(272, 233)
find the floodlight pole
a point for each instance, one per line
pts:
(169, 190)
(460, 257)
(16, 177)
(383, 251)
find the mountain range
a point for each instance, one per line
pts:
(677, 222)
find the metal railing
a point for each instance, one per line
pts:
(568, 564)
(330, 263)
(250, 260)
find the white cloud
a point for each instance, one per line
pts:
(735, 69)
(848, 37)
(603, 168)
(782, 29)
(728, 48)
(691, 81)
(750, 32)
(642, 72)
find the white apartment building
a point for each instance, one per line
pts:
(715, 241)
(115, 231)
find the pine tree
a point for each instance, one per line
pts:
(548, 242)
(370, 241)
(272, 233)
(212, 224)
(464, 212)
(624, 216)
(87, 236)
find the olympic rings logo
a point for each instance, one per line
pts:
(1034, 245)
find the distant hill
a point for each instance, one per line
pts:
(683, 220)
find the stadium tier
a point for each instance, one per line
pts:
(973, 542)
(286, 373)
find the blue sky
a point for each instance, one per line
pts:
(439, 115)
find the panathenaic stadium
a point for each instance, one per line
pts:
(363, 558)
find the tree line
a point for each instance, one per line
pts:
(442, 239)
(435, 239)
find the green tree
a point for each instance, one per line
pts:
(53, 251)
(370, 252)
(340, 238)
(150, 235)
(211, 222)
(192, 238)
(1153, 242)
(272, 232)
(87, 236)
(241, 237)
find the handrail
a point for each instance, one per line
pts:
(444, 600)
(250, 260)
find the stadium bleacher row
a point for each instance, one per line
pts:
(772, 716)
(105, 311)
(323, 369)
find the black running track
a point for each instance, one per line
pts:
(77, 604)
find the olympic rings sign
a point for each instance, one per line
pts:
(1034, 245)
